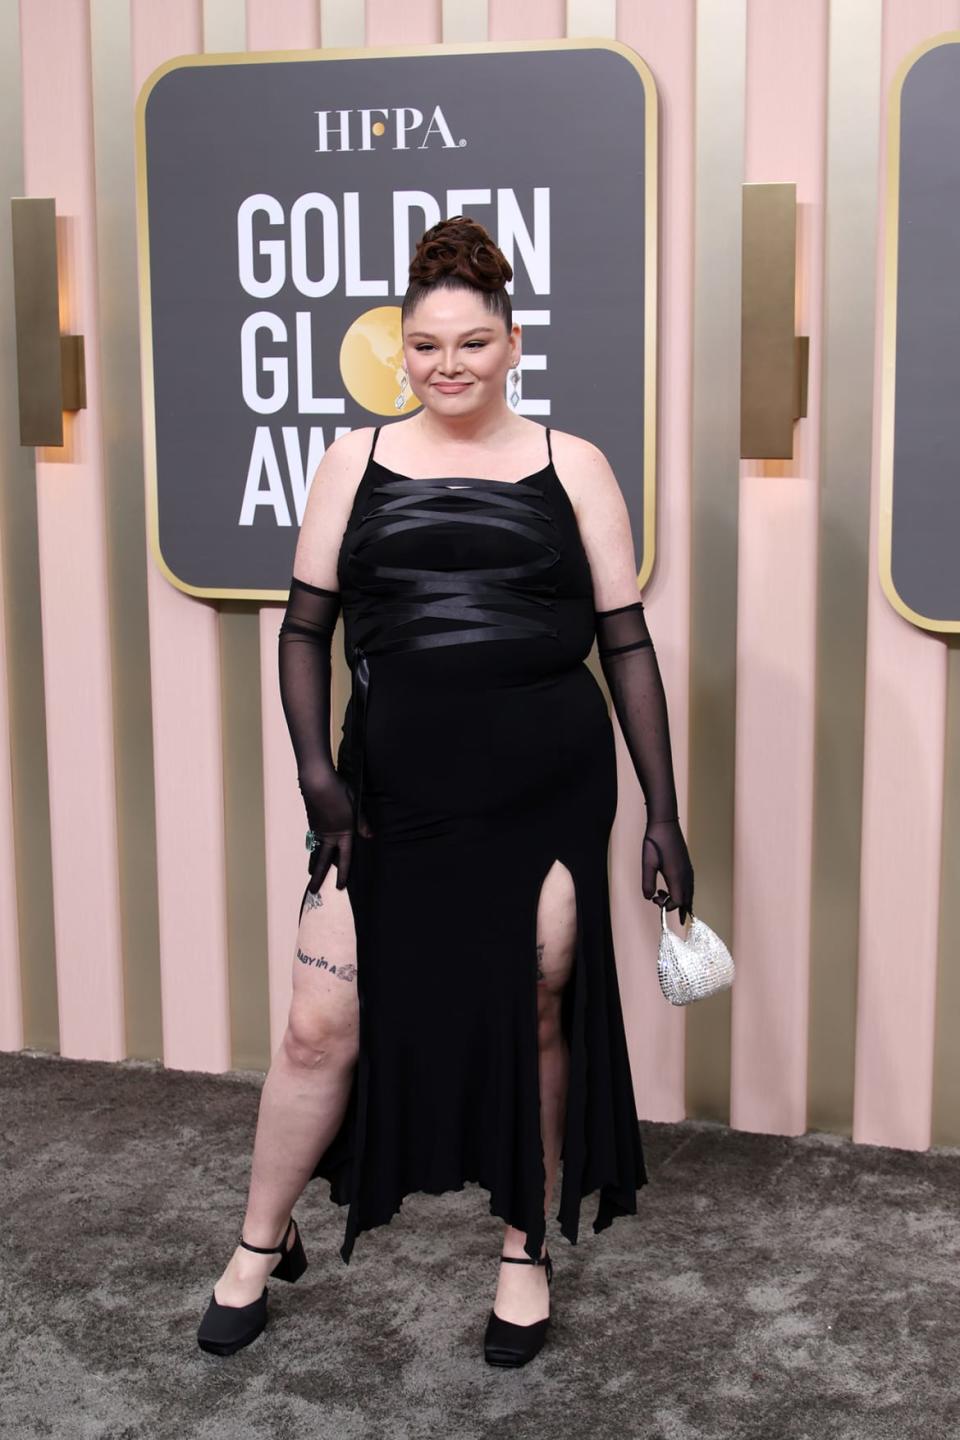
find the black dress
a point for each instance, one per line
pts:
(480, 749)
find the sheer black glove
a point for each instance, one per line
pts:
(629, 664)
(304, 664)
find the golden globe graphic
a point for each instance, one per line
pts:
(371, 362)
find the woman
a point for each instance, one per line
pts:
(455, 1013)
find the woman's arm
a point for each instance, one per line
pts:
(304, 661)
(629, 663)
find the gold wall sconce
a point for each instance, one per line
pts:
(774, 361)
(51, 375)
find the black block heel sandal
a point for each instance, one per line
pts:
(508, 1344)
(226, 1328)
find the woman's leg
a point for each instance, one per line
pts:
(522, 1295)
(305, 1093)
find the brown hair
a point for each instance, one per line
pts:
(459, 253)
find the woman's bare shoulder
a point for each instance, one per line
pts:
(353, 445)
(581, 466)
(341, 469)
(574, 445)
(330, 499)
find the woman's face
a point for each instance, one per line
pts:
(450, 337)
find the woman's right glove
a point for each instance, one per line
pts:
(329, 804)
(304, 664)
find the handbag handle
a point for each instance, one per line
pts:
(660, 898)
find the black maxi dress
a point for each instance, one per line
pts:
(479, 746)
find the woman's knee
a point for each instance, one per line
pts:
(321, 1034)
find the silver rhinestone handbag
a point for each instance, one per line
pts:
(693, 966)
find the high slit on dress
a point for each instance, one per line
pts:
(478, 744)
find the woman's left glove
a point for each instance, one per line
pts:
(629, 664)
(665, 849)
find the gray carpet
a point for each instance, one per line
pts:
(789, 1289)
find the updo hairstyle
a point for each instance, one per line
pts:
(460, 254)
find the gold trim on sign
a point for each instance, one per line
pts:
(440, 48)
(888, 353)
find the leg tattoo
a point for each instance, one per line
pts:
(540, 975)
(346, 971)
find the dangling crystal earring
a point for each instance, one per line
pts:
(515, 393)
(401, 399)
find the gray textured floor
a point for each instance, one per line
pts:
(786, 1289)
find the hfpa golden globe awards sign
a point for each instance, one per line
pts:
(280, 199)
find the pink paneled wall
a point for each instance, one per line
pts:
(187, 736)
(787, 115)
(75, 604)
(776, 612)
(534, 20)
(416, 22)
(294, 25)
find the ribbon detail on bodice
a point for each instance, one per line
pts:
(496, 602)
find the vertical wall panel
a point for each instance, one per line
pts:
(283, 820)
(946, 1080)
(342, 21)
(946, 1076)
(418, 22)
(904, 738)
(535, 20)
(853, 120)
(11, 990)
(58, 161)
(224, 26)
(294, 25)
(125, 520)
(464, 20)
(591, 17)
(188, 759)
(28, 980)
(721, 54)
(776, 613)
(225, 31)
(664, 33)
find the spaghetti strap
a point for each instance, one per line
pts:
(549, 446)
(374, 445)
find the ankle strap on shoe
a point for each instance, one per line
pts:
(269, 1249)
(525, 1259)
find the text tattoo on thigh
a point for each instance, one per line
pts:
(540, 975)
(346, 971)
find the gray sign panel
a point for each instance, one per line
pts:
(280, 198)
(919, 526)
